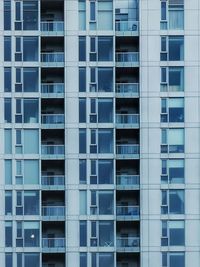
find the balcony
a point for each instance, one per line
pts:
(53, 151)
(127, 28)
(128, 244)
(125, 213)
(128, 182)
(54, 213)
(127, 59)
(52, 27)
(127, 120)
(53, 118)
(127, 89)
(53, 244)
(53, 182)
(52, 89)
(52, 58)
(127, 151)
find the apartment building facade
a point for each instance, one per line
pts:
(100, 133)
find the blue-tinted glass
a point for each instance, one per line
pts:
(177, 259)
(82, 171)
(7, 79)
(176, 174)
(176, 114)
(7, 110)
(82, 140)
(31, 259)
(93, 260)
(176, 17)
(106, 233)
(8, 202)
(105, 174)
(105, 79)
(30, 48)
(176, 78)
(82, 110)
(105, 48)
(31, 111)
(30, 76)
(7, 48)
(7, 15)
(176, 201)
(177, 237)
(82, 79)
(31, 237)
(105, 110)
(163, 10)
(92, 11)
(31, 203)
(106, 259)
(82, 48)
(176, 48)
(19, 259)
(105, 141)
(30, 15)
(83, 259)
(8, 260)
(83, 233)
(106, 199)
(8, 234)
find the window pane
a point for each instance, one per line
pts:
(83, 233)
(7, 48)
(106, 231)
(82, 171)
(176, 171)
(176, 48)
(30, 15)
(106, 199)
(31, 172)
(8, 141)
(106, 259)
(7, 16)
(82, 140)
(31, 234)
(105, 174)
(8, 260)
(83, 203)
(31, 141)
(31, 111)
(82, 79)
(8, 234)
(31, 203)
(82, 48)
(105, 79)
(176, 201)
(30, 48)
(8, 171)
(176, 19)
(30, 83)
(7, 110)
(177, 233)
(176, 110)
(105, 141)
(82, 109)
(83, 259)
(177, 259)
(105, 48)
(7, 79)
(8, 202)
(105, 110)
(176, 79)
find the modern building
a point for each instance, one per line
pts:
(100, 130)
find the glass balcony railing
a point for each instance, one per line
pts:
(127, 57)
(128, 210)
(52, 26)
(53, 180)
(54, 57)
(53, 211)
(127, 149)
(128, 242)
(53, 242)
(130, 26)
(129, 180)
(52, 88)
(53, 149)
(127, 118)
(52, 118)
(127, 88)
